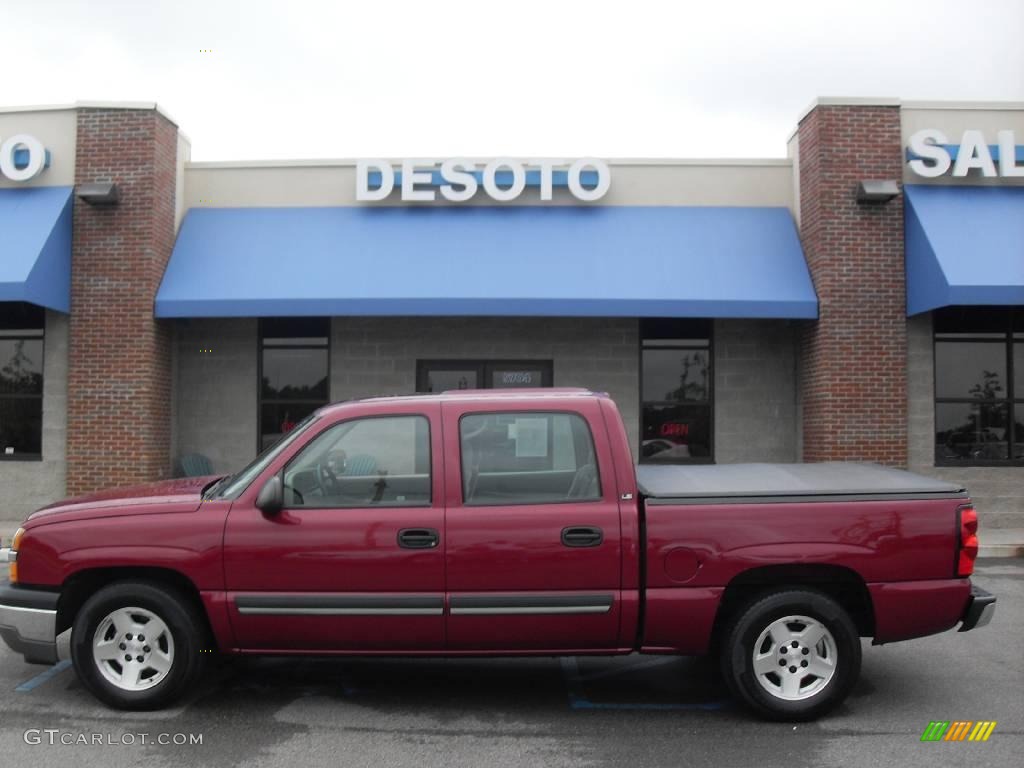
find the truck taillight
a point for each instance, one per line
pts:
(968, 549)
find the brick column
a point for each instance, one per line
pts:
(853, 368)
(119, 378)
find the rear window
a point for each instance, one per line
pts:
(527, 458)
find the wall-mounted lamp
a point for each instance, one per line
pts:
(877, 191)
(100, 193)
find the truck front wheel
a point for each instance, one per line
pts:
(791, 655)
(137, 645)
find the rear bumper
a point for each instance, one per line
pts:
(981, 607)
(28, 622)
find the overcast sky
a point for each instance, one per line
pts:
(436, 78)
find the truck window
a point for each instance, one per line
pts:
(377, 461)
(527, 458)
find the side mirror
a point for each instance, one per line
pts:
(270, 499)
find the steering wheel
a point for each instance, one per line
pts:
(326, 479)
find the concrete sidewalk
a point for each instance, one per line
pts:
(995, 542)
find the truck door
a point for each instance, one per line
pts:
(533, 545)
(355, 560)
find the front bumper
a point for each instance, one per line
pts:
(28, 622)
(981, 607)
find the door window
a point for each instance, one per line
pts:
(527, 458)
(379, 461)
(443, 375)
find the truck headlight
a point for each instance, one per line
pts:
(12, 568)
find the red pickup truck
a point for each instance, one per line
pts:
(494, 523)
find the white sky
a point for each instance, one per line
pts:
(436, 78)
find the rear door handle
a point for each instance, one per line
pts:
(582, 536)
(418, 538)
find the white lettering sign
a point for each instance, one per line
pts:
(931, 157)
(22, 157)
(502, 179)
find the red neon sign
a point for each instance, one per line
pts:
(674, 429)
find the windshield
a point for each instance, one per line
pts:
(233, 485)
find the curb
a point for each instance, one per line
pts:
(1001, 550)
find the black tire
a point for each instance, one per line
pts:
(186, 627)
(744, 630)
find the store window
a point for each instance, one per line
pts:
(294, 373)
(676, 391)
(21, 381)
(443, 375)
(979, 386)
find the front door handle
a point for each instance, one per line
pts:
(582, 536)
(418, 538)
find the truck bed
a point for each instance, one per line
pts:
(772, 482)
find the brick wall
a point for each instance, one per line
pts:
(119, 373)
(853, 367)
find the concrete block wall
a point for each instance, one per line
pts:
(998, 492)
(216, 390)
(755, 391)
(377, 355)
(33, 484)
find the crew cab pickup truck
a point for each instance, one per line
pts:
(494, 523)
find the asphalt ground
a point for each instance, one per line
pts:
(633, 711)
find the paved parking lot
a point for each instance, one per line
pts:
(638, 711)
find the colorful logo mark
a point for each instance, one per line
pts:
(958, 730)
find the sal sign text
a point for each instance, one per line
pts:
(931, 155)
(502, 179)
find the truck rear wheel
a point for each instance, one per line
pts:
(137, 645)
(791, 655)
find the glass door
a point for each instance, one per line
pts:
(444, 375)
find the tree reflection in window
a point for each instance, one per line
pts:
(977, 418)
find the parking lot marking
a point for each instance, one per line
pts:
(578, 700)
(42, 677)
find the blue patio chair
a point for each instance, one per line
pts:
(361, 465)
(195, 465)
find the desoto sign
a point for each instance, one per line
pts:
(22, 157)
(931, 155)
(502, 179)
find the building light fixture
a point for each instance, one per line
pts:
(99, 193)
(877, 190)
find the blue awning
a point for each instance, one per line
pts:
(965, 245)
(475, 260)
(35, 246)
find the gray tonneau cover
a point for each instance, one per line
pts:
(761, 480)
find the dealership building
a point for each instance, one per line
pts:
(861, 299)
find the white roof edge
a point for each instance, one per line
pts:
(848, 101)
(37, 108)
(870, 101)
(343, 162)
(127, 105)
(966, 105)
(92, 105)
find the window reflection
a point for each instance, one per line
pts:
(294, 373)
(675, 372)
(21, 380)
(979, 381)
